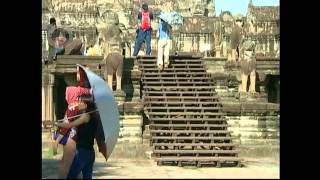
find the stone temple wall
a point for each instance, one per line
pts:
(195, 36)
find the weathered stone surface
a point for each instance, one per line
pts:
(132, 140)
(232, 107)
(273, 107)
(130, 107)
(249, 142)
(243, 116)
(130, 131)
(253, 107)
(135, 74)
(131, 123)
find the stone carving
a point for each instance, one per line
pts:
(248, 65)
(217, 38)
(85, 14)
(235, 37)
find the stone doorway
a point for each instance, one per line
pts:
(272, 84)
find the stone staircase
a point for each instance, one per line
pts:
(186, 122)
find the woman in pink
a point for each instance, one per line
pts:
(65, 136)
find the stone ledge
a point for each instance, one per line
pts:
(231, 107)
(250, 107)
(261, 150)
(253, 107)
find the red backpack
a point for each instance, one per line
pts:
(145, 21)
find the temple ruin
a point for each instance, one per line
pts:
(252, 119)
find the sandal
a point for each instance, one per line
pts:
(166, 65)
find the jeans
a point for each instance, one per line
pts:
(83, 161)
(143, 36)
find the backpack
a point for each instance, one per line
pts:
(145, 21)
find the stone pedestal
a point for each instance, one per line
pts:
(48, 106)
(119, 96)
(131, 128)
(254, 123)
(252, 119)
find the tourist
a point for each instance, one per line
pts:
(164, 40)
(87, 125)
(144, 30)
(65, 136)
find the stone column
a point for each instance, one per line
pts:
(225, 48)
(47, 97)
(268, 46)
(43, 103)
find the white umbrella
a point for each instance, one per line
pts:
(172, 18)
(107, 108)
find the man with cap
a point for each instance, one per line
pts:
(144, 30)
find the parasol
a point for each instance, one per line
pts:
(108, 111)
(172, 18)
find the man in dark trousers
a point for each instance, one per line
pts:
(88, 124)
(144, 30)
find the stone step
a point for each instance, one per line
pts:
(131, 123)
(248, 141)
(191, 131)
(155, 126)
(182, 119)
(255, 135)
(253, 123)
(184, 109)
(161, 74)
(172, 65)
(190, 138)
(131, 129)
(130, 133)
(177, 83)
(169, 151)
(198, 159)
(175, 61)
(204, 87)
(174, 69)
(183, 103)
(137, 140)
(168, 92)
(165, 79)
(186, 113)
(200, 144)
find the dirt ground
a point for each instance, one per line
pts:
(139, 167)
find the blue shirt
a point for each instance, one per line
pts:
(163, 30)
